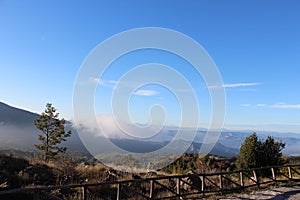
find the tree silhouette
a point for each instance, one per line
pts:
(53, 133)
(257, 153)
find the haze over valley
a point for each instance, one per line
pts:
(17, 131)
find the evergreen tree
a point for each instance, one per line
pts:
(271, 152)
(248, 157)
(256, 153)
(53, 133)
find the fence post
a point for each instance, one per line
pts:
(178, 186)
(255, 178)
(221, 181)
(151, 189)
(242, 179)
(202, 178)
(118, 191)
(84, 193)
(290, 173)
(273, 174)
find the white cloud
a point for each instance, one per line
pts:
(113, 83)
(131, 84)
(105, 83)
(106, 125)
(235, 85)
(103, 126)
(277, 105)
(146, 92)
(286, 106)
(94, 80)
(260, 105)
(246, 105)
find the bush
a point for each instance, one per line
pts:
(9, 169)
(11, 164)
(65, 170)
(38, 174)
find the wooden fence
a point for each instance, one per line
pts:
(166, 187)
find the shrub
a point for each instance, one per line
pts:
(11, 164)
(38, 174)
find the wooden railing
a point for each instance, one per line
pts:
(176, 186)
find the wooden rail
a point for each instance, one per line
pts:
(176, 186)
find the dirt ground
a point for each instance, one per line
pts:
(290, 193)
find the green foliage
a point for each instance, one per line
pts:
(248, 156)
(199, 164)
(184, 163)
(53, 133)
(271, 152)
(257, 153)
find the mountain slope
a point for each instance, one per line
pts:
(17, 130)
(14, 116)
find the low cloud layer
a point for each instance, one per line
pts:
(107, 126)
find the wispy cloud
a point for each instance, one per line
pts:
(94, 80)
(108, 83)
(260, 105)
(146, 93)
(245, 105)
(105, 83)
(277, 105)
(253, 105)
(286, 106)
(235, 85)
(113, 83)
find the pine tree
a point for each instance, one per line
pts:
(53, 133)
(271, 152)
(257, 153)
(248, 157)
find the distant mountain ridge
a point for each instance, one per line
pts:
(14, 116)
(145, 147)
(18, 131)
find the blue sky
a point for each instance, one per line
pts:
(255, 45)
